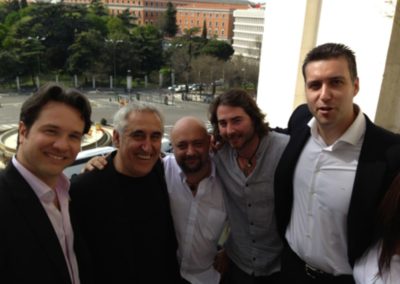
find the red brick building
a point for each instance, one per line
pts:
(217, 14)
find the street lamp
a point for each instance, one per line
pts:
(244, 78)
(37, 39)
(114, 44)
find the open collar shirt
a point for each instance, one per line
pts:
(253, 244)
(59, 218)
(199, 221)
(323, 185)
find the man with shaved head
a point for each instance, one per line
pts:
(196, 199)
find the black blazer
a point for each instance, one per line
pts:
(378, 163)
(127, 224)
(29, 248)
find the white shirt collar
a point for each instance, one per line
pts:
(352, 135)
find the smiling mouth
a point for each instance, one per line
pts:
(144, 157)
(56, 157)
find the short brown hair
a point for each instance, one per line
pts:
(32, 107)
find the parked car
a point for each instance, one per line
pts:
(180, 88)
(195, 87)
(172, 88)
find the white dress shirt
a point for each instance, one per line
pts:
(323, 184)
(366, 268)
(59, 218)
(198, 220)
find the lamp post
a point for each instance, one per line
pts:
(114, 44)
(244, 78)
(37, 39)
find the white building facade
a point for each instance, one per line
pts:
(248, 32)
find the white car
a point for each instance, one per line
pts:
(180, 88)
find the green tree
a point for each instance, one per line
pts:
(9, 65)
(170, 27)
(23, 4)
(96, 7)
(148, 40)
(84, 52)
(219, 49)
(116, 26)
(127, 19)
(204, 30)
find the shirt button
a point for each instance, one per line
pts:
(249, 204)
(251, 223)
(254, 258)
(253, 241)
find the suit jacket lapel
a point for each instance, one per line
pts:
(368, 182)
(284, 177)
(36, 218)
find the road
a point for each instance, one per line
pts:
(105, 105)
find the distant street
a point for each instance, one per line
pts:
(105, 105)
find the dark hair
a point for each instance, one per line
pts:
(329, 51)
(49, 92)
(239, 98)
(389, 219)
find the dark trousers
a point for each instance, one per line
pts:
(235, 275)
(294, 270)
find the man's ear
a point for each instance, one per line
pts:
(22, 132)
(116, 138)
(356, 86)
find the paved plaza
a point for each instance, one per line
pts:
(105, 105)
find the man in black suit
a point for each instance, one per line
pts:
(123, 210)
(37, 244)
(332, 174)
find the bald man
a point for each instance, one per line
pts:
(196, 199)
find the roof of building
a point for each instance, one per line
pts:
(223, 1)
